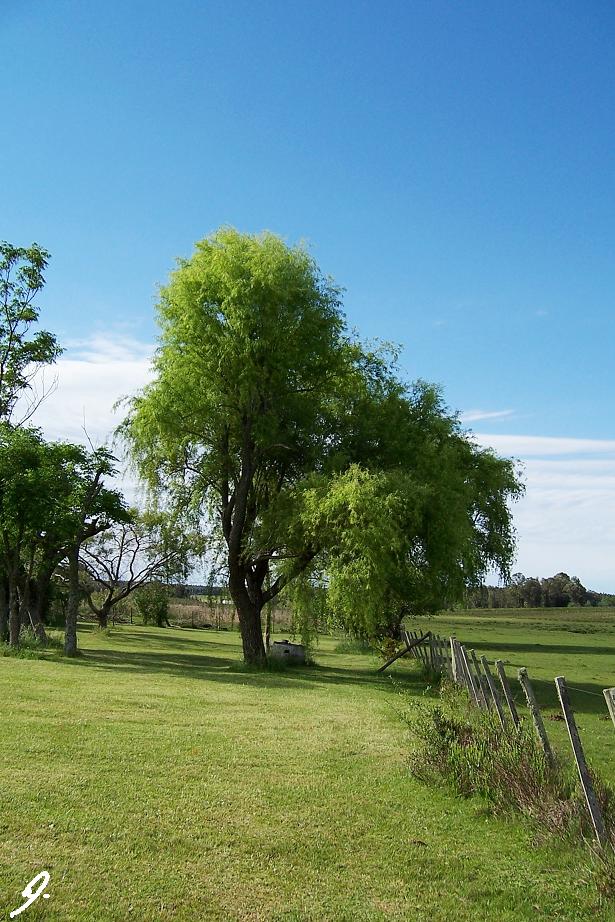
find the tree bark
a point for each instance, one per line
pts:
(14, 615)
(33, 602)
(40, 592)
(72, 609)
(102, 615)
(268, 628)
(249, 618)
(29, 610)
(251, 633)
(37, 624)
(4, 612)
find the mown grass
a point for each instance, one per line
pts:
(154, 778)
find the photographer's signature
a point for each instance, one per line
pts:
(30, 894)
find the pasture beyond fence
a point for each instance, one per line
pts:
(463, 668)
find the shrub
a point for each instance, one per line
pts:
(467, 747)
(350, 644)
(30, 647)
(152, 603)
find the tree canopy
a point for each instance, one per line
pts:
(22, 352)
(304, 452)
(52, 498)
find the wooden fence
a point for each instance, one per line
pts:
(494, 693)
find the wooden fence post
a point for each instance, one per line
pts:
(579, 756)
(446, 657)
(454, 665)
(439, 656)
(494, 692)
(532, 704)
(480, 681)
(471, 683)
(462, 676)
(499, 665)
(609, 696)
(421, 653)
(446, 666)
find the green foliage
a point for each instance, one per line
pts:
(152, 603)
(21, 279)
(250, 335)
(408, 540)
(53, 488)
(529, 592)
(465, 746)
(304, 450)
(30, 647)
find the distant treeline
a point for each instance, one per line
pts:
(556, 591)
(189, 590)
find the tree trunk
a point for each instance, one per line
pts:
(72, 609)
(251, 634)
(4, 612)
(34, 610)
(268, 628)
(249, 619)
(103, 616)
(14, 615)
(40, 592)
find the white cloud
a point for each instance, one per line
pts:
(90, 377)
(566, 520)
(472, 416)
(537, 445)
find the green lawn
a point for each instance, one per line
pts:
(155, 779)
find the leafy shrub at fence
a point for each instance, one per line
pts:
(465, 746)
(152, 603)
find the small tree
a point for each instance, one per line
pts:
(151, 546)
(52, 498)
(152, 601)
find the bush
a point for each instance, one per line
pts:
(350, 644)
(30, 647)
(467, 747)
(152, 603)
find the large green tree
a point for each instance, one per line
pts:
(304, 451)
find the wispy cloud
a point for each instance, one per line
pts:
(566, 520)
(91, 376)
(473, 416)
(540, 446)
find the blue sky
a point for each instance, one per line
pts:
(449, 164)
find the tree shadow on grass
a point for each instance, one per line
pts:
(226, 666)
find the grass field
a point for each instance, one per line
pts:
(155, 778)
(578, 643)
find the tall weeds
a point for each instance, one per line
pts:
(465, 747)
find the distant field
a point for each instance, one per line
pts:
(578, 643)
(155, 778)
